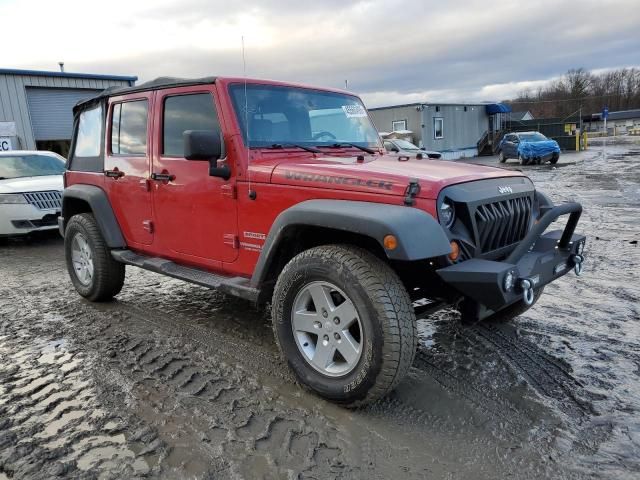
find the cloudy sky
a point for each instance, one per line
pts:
(390, 51)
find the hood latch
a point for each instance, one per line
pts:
(412, 190)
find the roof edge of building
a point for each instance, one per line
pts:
(45, 73)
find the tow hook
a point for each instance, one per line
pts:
(577, 264)
(527, 291)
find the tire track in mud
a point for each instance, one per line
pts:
(237, 420)
(552, 381)
(51, 422)
(543, 373)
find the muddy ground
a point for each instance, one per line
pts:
(175, 381)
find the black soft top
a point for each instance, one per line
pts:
(158, 83)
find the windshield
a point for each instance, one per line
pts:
(289, 115)
(532, 137)
(404, 145)
(33, 165)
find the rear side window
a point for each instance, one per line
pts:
(186, 112)
(129, 128)
(89, 133)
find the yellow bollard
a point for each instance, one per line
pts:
(585, 141)
(577, 142)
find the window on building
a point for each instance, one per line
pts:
(129, 128)
(438, 128)
(89, 133)
(398, 125)
(437, 108)
(186, 112)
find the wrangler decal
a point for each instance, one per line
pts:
(307, 177)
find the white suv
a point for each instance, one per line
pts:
(31, 187)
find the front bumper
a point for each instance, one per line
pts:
(539, 259)
(21, 219)
(541, 158)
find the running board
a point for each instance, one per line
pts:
(236, 286)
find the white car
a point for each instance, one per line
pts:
(404, 147)
(31, 187)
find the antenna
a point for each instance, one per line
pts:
(252, 193)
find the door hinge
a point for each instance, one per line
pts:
(147, 225)
(229, 191)
(232, 240)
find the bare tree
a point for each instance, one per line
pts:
(580, 89)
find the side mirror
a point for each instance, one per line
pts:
(206, 145)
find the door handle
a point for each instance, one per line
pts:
(115, 173)
(163, 177)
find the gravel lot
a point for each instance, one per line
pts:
(175, 381)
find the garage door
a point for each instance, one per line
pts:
(51, 111)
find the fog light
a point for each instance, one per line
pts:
(390, 242)
(455, 251)
(509, 280)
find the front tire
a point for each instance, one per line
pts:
(94, 273)
(522, 160)
(345, 324)
(501, 157)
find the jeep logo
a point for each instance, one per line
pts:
(505, 189)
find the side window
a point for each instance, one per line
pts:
(129, 128)
(438, 128)
(89, 133)
(388, 146)
(186, 112)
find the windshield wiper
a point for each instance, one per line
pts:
(343, 144)
(303, 147)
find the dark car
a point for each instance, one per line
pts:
(529, 148)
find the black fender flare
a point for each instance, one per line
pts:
(100, 206)
(419, 235)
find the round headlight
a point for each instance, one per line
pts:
(446, 214)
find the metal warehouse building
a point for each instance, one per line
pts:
(36, 106)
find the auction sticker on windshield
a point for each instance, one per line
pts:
(354, 111)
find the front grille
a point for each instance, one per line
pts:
(45, 200)
(502, 223)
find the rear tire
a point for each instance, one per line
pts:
(554, 159)
(94, 273)
(385, 339)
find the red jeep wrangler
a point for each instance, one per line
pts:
(282, 193)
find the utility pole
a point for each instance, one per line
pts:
(346, 84)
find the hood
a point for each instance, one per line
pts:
(32, 184)
(382, 175)
(543, 147)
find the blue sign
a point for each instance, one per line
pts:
(605, 113)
